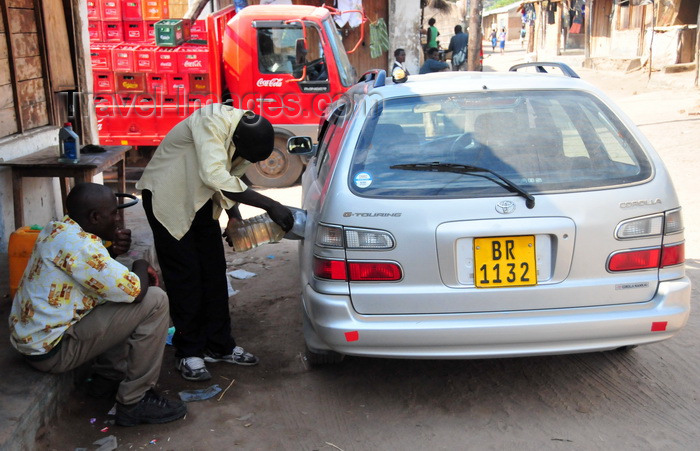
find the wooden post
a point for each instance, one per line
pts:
(475, 38)
(587, 34)
(697, 49)
(195, 9)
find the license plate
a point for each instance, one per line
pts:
(504, 261)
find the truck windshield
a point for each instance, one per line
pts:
(345, 71)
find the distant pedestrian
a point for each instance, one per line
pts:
(400, 59)
(432, 63)
(458, 47)
(433, 34)
(502, 39)
(523, 33)
(494, 37)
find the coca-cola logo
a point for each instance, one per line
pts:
(270, 83)
(197, 63)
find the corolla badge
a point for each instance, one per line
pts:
(505, 207)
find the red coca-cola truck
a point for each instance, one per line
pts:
(286, 62)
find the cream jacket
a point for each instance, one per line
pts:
(194, 164)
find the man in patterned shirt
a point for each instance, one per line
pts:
(75, 303)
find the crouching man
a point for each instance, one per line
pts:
(75, 303)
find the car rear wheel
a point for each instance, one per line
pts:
(280, 170)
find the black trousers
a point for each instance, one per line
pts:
(194, 272)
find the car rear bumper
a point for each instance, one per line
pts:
(336, 326)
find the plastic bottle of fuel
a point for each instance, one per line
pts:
(252, 232)
(68, 144)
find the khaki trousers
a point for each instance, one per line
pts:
(126, 340)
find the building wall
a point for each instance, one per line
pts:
(42, 196)
(404, 32)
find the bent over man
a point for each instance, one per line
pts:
(193, 176)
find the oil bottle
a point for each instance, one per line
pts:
(68, 144)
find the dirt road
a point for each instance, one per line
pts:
(643, 399)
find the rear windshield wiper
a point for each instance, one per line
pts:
(467, 169)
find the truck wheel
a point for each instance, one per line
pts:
(280, 170)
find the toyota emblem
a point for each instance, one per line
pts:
(505, 207)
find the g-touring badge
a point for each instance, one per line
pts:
(505, 207)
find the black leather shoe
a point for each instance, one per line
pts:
(152, 409)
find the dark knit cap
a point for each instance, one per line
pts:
(254, 138)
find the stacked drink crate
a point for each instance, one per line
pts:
(144, 61)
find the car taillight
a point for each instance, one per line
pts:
(635, 259)
(374, 271)
(666, 223)
(658, 257)
(368, 239)
(356, 239)
(358, 271)
(330, 269)
(673, 222)
(673, 255)
(329, 236)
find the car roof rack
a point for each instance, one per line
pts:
(540, 65)
(378, 75)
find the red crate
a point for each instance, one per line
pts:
(150, 31)
(113, 31)
(101, 56)
(93, 10)
(145, 58)
(132, 10)
(95, 30)
(193, 59)
(111, 10)
(196, 101)
(134, 31)
(198, 30)
(199, 84)
(157, 84)
(155, 9)
(166, 60)
(128, 120)
(178, 84)
(123, 58)
(130, 82)
(103, 99)
(103, 81)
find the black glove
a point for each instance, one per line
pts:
(282, 216)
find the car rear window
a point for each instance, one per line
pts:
(543, 141)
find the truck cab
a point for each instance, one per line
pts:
(288, 64)
(285, 62)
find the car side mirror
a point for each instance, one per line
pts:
(301, 145)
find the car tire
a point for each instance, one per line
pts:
(280, 170)
(322, 358)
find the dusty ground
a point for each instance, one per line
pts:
(644, 399)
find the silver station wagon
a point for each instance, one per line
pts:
(479, 215)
